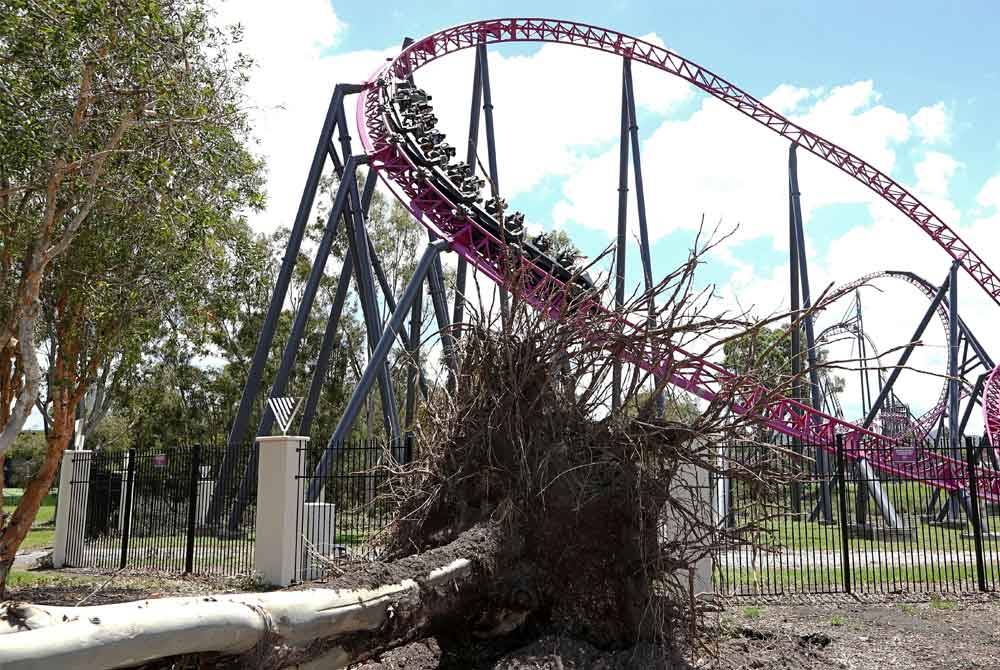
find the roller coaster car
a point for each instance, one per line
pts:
(457, 172)
(429, 141)
(469, 191)
(414, 130)
(495, 205)
(542, 242)
(566, 258)
(513, 228)
(442, 149)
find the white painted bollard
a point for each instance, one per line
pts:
(71, 510)
(206, 487)
(274, 544)
(319, 526)
(123, 494)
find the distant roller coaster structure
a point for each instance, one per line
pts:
(402, 146)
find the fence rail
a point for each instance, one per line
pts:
(853, 529)
(818, 525)
(148, 510)
(354, 506)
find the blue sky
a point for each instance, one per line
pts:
(911, 87)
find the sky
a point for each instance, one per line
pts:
(911, 87)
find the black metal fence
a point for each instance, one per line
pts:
(844, 526)
(351, 504)
(148, 510)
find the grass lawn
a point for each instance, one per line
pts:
(867, 579)
(21, 578)
(43, 531)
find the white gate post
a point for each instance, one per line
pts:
(71, 508)
(275, 541)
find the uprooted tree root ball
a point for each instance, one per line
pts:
(597, 516)
(576, 500)
(598, 511)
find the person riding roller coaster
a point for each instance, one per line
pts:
(413, 123)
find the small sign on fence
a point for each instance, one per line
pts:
(904, 454)
(159, 460)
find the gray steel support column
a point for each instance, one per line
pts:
(409, 407)
(255, 374)
(620, 248)
(439, 300)
(375, 365)
(358, 244)
(326, 348)
(882, 500)
(470, 160)
(291, 349)
(905, 355)
(491, 152)
(954, 385)
(316, 274)
(974, 397)
(795, 330)
(640, 199)
(793, 184)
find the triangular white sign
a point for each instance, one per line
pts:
(284, 410)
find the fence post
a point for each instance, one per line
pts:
(71, 518)
(127, 509)
(275, 539)
(977, 526)
(192, 507)
(845, 547)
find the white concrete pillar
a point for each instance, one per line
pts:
(71, 508)
(274, 544)
(694, 490)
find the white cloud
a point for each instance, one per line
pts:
(553, 107)
(731, 169)
(786, 98)
(290, 87)
(933, 123)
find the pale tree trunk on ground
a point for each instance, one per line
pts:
(309, 628)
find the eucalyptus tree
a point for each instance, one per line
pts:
(124, 163)
(98, 101)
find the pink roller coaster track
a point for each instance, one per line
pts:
(692, 373)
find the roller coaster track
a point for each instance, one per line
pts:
(991, 406)
(925, 423)
(425, 197)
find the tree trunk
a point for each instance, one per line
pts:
(330, 627)
(19, 523)
(32, 376)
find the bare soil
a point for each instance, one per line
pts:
(947, 632)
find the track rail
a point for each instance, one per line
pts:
(688, 371)
(925, 423)
(991, 406)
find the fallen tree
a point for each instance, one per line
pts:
(535, 501)
(278, 628)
